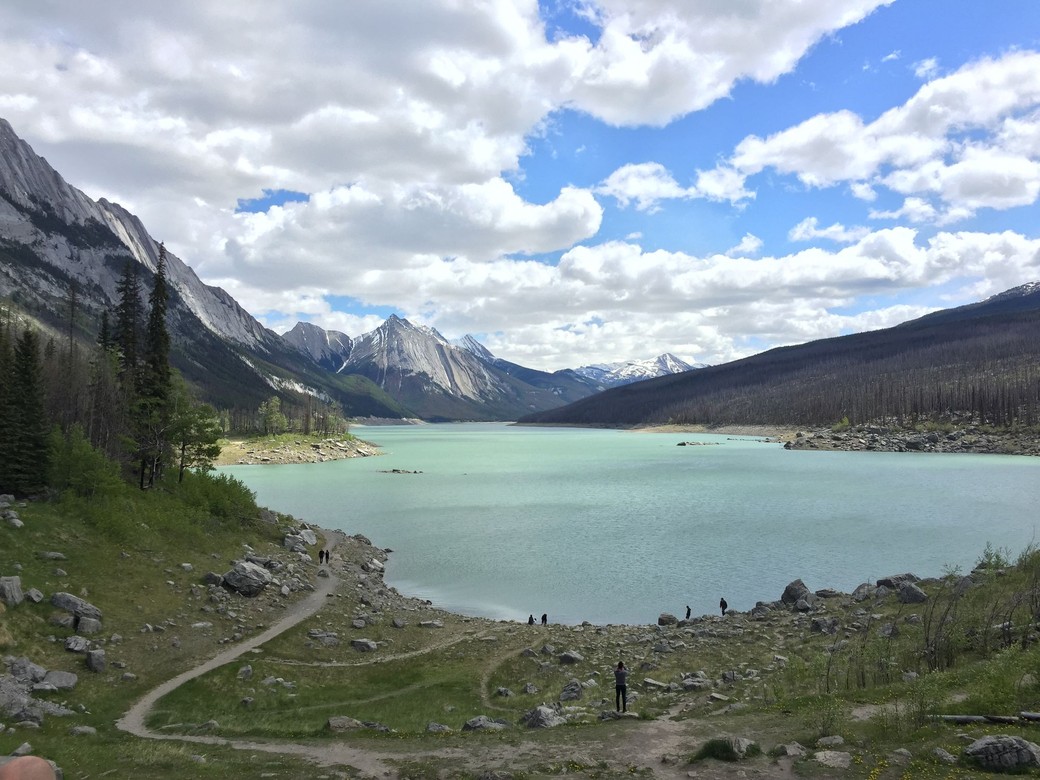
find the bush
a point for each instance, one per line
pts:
(78, 467)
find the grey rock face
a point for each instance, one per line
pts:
(61, 680)
(247, 578)
(543, 717)
(482, 723)
(75, 605)
(909, 593)
(11, 591)
(795, 592)
(572, 691)
(1003, 753)
(571, 657)
(96, 660)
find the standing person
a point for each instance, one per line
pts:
(530, 620)
(687, 611)
(723, 606)
(545, 619)
(621, 687)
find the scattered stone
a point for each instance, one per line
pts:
(82, 731)
(909, 593)
(666, 619)
(63, 681)
(77, 644)
(571, 657)
(88, 625)
(944, 756)
(247, 578)
(431, 624)
(833, 758)
(437, 728)
(34, 595)
(571, 691)
(96, 660)
(364, 645)
(75, 605)
(504, 692)
(245, 673)
(830, 741)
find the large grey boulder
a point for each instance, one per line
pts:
(364, 645)
(795, 592)
(835, 759)
(667, 619)
(11, 591)
(1003, 753)
(75, 605)
(308, 536)
(247, 578)
(896, 580)
(909, 593)
(543, 717)
(571, 691)
(340, 723)
(24, 670)
(571, 657)
(63, 681)
(96, 660)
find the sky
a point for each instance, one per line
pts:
(570, 181)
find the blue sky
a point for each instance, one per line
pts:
(571, 181)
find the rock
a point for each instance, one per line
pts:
(863, 592)
(49, 555)
(34, 595)
(543, 717)
(667, 619)
(430, 624)
(88, 625)
(793, 749)
(822, 625)
(571, 691)
(308, 536)
(11, 591)
(245, 673)
(63, 681)
(741, 745)
(82, 731)
(833, 758)
(1003, 753)
(75, 605)
(653, 684)
(247, 578)
(795, 592)
(530, 688)
(212, 578)
(571, 657)
(944, 756)
(364, 645)
(77, 644)
(437, 728)
(340, 723)
(482, 723)
(909, 593)
(503, 692)
(830, 741)
(96, 660)
(399, 622)
(896, 580)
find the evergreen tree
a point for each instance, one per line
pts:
(26, 451)
(152, 411)
(104, 337)
(128, 321)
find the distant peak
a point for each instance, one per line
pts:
(1023, 289)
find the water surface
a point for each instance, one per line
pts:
(617, 527)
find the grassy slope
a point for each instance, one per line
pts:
(791, 683)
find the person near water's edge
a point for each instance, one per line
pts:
(687, 611)
(723, 606)
(530, 620)
(545, 619)
(621, 687)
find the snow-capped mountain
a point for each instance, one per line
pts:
(614, 374)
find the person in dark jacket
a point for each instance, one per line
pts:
(723, 606)
(621, 687)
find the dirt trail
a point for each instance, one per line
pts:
(653, 745)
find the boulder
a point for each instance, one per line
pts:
(340, 723)
(571, 657)
(571, 691)
(77, 644)
(364, 645)
(96, 660)
(61, 680)
(1003, 753)
(896, 580)
(909, 593)
(483, 723)
(835, 759)
(308, 536)
(667, 619)
(247, 578)
(795, 592)
(11, 591)
(34, 595)
(543, 717)
(24, 670)
(88, 625)
(75, 605)
(437, 728)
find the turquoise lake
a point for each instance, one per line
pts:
(617, 526)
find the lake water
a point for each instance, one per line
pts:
(617, 527)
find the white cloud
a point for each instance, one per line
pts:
(926, 69)
(808, 229)
(647, 184)
(971, 139)
(750, 245)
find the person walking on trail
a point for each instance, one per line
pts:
(723, 606)
(621, 687)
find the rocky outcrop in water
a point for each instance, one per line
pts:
(969, 439)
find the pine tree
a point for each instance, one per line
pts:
(26, 451)
(128, 321)
(152, 413)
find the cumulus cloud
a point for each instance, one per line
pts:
(969, 139)
(749, 245)
(645, 184)
(809, 229)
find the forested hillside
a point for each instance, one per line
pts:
(977, 363)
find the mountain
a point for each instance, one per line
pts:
(616, 374)
(980, 361)
(439, 380)
(328, 348)
(58, 246)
